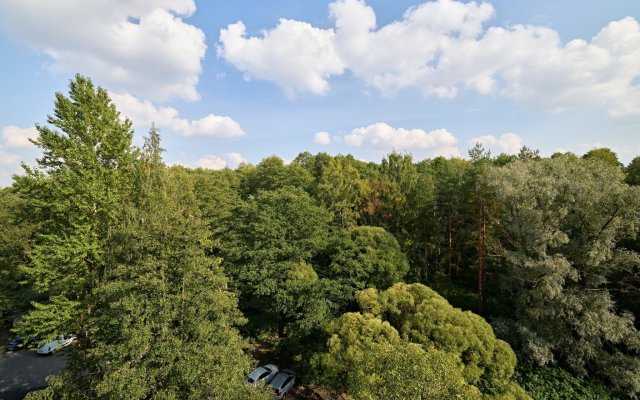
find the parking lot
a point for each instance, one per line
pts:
(23, 371)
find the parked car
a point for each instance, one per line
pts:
(282, 383)
(15, 344)
(264, 374)
(55, 345)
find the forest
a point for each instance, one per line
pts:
(489, 277)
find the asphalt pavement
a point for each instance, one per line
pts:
(23, 371)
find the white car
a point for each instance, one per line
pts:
(262, 374)
(55, 345)
(282, 383)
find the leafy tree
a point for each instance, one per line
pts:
(548, 383)
(14, 246)
(603, 154)
(422, 316)
(267, 241)
(341, 189)
(526, 153)
(368, 256)
(504, 159)
(152, 313)
(560, 220)
(73, 198)
(272, 174)
(367, 359)
(633, 172)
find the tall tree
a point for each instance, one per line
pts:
(560, 221)
(118, 258)
(73, 197)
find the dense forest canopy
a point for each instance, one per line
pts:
(492, 277)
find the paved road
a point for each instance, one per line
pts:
(23, 371)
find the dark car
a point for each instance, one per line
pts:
(15, 344)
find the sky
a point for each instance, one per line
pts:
(234, 82)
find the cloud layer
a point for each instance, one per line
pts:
(143, 113)
(383, 138)
(136, 46)
(442, 47)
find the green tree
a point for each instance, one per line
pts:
(367, 256)
(559, 221)
(367, 359)
(14, 247)
(633, 172)
(272, 174)
(422, 316)
(341, 190)
(126, 269)
(73, 198)
(268, 240)
(603, 154)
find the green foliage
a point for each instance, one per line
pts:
(14, 246)
(368, 256)
(547, 383)
(72, 199)
(603, 154)
(340, 190)
(272, 174)
(560, 220)
(152, 312)
(367, 359)
(424, 317)
(633, 172)
(266, 246)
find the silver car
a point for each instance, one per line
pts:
(262, 374)
(282, 383)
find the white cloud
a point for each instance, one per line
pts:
(322, 138)
(8, 159)
(507, 143)
(236, 158)
(136, 46)
(295, 55)
(14, 136)
(442, 47)
(211, 162)
(384, 136)
(143, 113)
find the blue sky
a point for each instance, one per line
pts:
(228, 82)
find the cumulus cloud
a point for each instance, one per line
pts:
(384, 136)
(445, 46)
(14, 136)
(143, 112)
(506, 143)
(294, 55)
(136, 46)
(322, 138)
(211, 162)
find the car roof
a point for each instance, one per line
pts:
(257, 372)
(277, 382)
